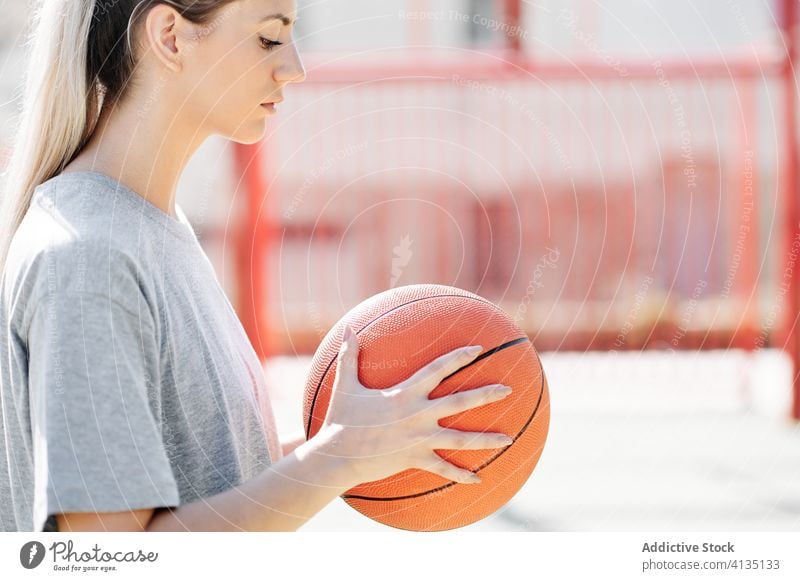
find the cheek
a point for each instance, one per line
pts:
(232, 89)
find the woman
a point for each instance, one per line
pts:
(129, 389)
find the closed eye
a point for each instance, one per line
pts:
(269, 44)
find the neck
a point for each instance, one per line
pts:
(144, 145)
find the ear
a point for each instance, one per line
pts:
(165, 34)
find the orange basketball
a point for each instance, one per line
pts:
(400, 331)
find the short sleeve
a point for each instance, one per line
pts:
(97, 444)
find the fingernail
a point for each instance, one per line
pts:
(507, 441)
(474, 349)
(474, 479)
(503, 390)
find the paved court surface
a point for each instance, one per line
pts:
(641, 441)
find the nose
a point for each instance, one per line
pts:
(291, 69)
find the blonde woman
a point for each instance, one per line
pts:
(128, 385)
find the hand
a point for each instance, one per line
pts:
(385, 431)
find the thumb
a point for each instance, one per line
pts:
(345, 383)
(347, 360)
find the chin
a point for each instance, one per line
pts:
(248, 137)
(246, 131)
(247, 141)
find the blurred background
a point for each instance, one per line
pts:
(618, 176)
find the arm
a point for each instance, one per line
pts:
(282, 498)
(126, 521)
(292, 441)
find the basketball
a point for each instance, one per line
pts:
(405, 328)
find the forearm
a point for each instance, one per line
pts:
(292, 441)
(282, 498)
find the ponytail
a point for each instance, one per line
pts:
(59, 107)
(82, 60)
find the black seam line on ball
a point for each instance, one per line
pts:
(481, 467)
(492, 351)
(330, 363)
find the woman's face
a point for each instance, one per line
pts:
(236, 65)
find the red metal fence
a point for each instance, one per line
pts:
(577, 192)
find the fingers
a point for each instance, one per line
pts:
(457, 440)
(431, 375)
(450, 471)
(465, 400)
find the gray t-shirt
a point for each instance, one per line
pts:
(126, 378)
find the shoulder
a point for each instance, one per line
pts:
(64, 249)
(74, 207)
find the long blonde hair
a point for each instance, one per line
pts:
(78, 64)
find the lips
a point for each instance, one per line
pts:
(270, 105)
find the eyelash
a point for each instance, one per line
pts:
(272, 43)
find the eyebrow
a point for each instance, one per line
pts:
(279, 16)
